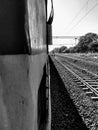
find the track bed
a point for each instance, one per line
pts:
(64, 113)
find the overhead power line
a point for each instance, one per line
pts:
(83, 17)
(77, 14)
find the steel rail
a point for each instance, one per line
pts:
(79, 78)
(87, 71)
(78, 58)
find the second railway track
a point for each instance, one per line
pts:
(88, 81)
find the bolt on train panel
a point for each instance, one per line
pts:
(23, 58)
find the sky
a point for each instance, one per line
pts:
(73, 18)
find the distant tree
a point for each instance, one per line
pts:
(71, 50)
(55, 50)
(88, 42)
(67, 51)
(83, 44)
(93, 47)
(62, 49)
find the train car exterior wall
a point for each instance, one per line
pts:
(21, 71)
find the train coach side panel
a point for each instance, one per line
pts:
(37, 25)
(20, 78)
(15, 93)
(20, 74)
(37, 30)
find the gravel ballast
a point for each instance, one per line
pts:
(64, 113)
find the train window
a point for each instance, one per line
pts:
(13, 39)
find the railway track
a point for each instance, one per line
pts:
(81, 69)
(64, 112)
(87, 80)
(78, 58)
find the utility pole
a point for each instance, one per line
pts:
(75, 41)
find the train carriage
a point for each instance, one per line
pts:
(23, 59)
